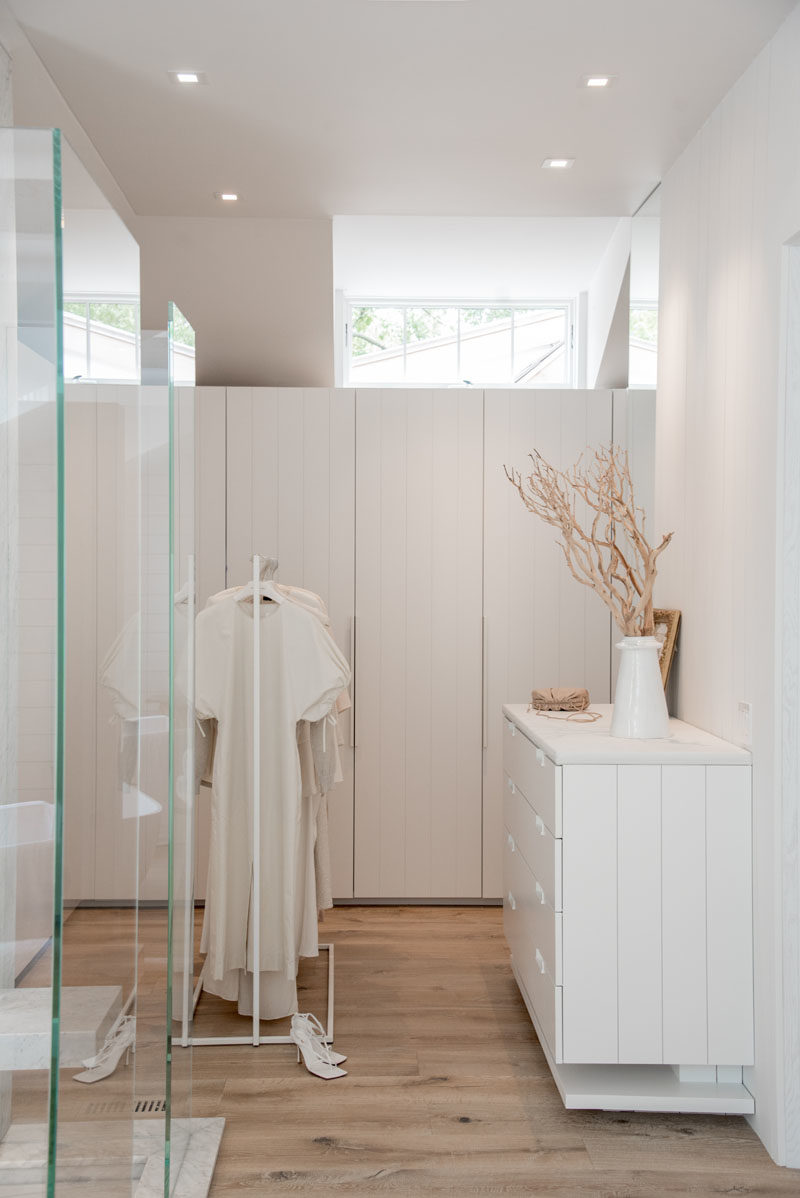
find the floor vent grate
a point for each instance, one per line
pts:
(150, 1106)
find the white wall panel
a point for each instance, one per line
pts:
(730, 204)
(418, 681)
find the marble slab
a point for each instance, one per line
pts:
(133, 1150)
(193, 1155)
(87, 1014)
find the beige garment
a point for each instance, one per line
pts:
(317, 745)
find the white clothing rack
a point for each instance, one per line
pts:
(263, 568)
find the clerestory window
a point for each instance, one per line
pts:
(415, 343)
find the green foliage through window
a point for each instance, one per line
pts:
(644, 324)
(459, 344)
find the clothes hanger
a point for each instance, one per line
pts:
(266, 587)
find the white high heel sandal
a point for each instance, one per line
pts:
(317, 1033)
(121, 1039)
(316, 1055)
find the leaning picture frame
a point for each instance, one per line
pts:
(666, 623)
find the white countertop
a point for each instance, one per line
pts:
(566, 741)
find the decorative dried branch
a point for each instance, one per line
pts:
(605, 547)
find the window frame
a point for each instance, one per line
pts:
(87, 299)
(641, 306)
(349, 302)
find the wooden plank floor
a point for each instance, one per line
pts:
(448, 1091)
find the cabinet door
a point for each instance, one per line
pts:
(418, 652)
(542, 627)
(290, 490)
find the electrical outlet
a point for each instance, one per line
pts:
(745, 730)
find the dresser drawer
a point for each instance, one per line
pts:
(533, 839)
(543, 999)
(534, 774)
(534, 925)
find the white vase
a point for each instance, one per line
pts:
(640, 708)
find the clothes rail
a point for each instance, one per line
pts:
(262, 567)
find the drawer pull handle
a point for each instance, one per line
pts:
(512, 902)
(540, 962)
(540, 756)
(540, 893)
(540, 825)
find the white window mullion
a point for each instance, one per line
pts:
(405, 339)
(88, 345)
(459, 379)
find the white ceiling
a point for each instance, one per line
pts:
(322, 107)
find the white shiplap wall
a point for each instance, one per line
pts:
(730, 205)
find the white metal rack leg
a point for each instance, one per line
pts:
(255, 1038)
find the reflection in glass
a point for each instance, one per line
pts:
(31, 607)
(184, 780)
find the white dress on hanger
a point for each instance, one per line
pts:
(317, 744)
(302, 672)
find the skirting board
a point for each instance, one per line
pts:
(638, 1087)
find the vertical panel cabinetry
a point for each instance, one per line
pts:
(446, 593)
(290, 495)
(419, 498)
(627, 879)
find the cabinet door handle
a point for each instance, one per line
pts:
(513, 729)
(540, 756)
(540, 962)
(540, 893)
(511, 843)
(540, 825)
(512, 902)
(511, 786)
(485, 667)
(353, 682)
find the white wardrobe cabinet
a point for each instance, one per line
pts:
(447, 595)
(290, 470)
(627, 908)
(418, 689)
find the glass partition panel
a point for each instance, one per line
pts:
(111, 1088)
(185, 735)
(31, 618)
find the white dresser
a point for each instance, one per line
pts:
(628, 910)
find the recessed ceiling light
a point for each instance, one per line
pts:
(228, 195)
(187, 76)
(600, 81)
(558, 164)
